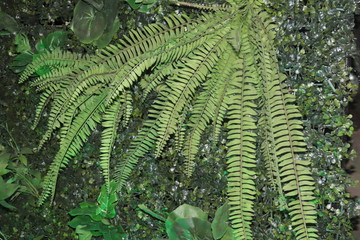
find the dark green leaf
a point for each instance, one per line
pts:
(88, 23)
(219, 225)
(8, 23)
(187, 211)
(7, 189)
(19, 63)
(55, 40)
(189, 228)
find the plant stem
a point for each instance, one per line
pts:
(199, 6)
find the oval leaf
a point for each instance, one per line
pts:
(88, 23)
(219, 225)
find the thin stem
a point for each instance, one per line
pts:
(194, 5)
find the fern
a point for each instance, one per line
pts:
(219, 70)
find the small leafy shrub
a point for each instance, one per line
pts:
(26, 55)
(16, 177)
(94, 219)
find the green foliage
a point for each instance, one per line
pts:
(218, 71)
(318, 71)
(8, 24)
(96, 21)
(49, 43)
(189, 222)
(16, 177)
(141, 5)
(95, 219)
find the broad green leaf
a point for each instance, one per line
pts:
(219, 225)
(6, 205)
(88, 23)
(7, 189)
(107, 201)
(105, 39)
(55, 40)
(8, 23)
(188, 228)
(22, 42)
(23, 159)
(20, 62)
(82, 233)
(151, 213)
(187, 211)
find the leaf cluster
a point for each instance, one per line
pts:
(189, 222)
(211, 71)
(94, 219)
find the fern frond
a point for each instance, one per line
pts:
(150, 83)
(56, 76)
(283, 126)
(56, 58)
(181, 87)
(70, 144)
(127, 107)
(241, 156)
(139, 147)
(223, 7)
(110, 122)
(54, 117)
(45, 98)
(206, 107)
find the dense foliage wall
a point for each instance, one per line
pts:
(314, 40)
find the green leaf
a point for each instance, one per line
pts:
(55, 40)
(187, 211)
(105, 39)
(7, 189)
(86, 208)
(151, 213)
(43, 70)
(189, 228)
(219, 225)
(26, 150)
(82, 233)
(229, 234)
(80, 220)
(6, 205)
(8, 23)
(107, 201)
(88, 23)
(20, 62)
(23, 159)
(142, 5)
(22, 42)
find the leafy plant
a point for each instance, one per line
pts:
(15, 175)
(189, 222)
(49, 43)
(25, 54)
(220, 70)
(95, 219)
